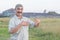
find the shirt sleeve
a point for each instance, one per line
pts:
(11, 24)
(32, 23)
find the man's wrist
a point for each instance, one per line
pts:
(20, 25)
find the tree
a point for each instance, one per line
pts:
(52, 12)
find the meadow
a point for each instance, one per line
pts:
(49, 29)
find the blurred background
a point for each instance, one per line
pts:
(48, 11)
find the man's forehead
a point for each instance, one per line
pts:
(20, 7)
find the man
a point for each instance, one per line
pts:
(18, 25)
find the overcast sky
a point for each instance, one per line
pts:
(32, 5)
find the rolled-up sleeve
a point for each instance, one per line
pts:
(32, 23)
(11, 24)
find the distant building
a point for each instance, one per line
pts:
(9, 12)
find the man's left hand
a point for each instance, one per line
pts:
(37, 21)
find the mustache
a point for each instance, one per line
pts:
(19, 12)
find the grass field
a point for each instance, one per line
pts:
(49, 29)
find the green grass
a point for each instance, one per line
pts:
(49, 29)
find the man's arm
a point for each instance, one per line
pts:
(34, 23)
(15, 29)
(37, 22)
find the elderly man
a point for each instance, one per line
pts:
(18, 25)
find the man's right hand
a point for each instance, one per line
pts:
(24, 23)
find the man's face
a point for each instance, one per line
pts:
(19, 11)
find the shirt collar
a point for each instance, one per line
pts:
(17, 17)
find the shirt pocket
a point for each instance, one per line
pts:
(17, 22)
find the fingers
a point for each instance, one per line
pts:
(37, 20)
(24, 23)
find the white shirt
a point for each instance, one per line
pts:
(21, 34)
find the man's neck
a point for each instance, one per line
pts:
(20, 17)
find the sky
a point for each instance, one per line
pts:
(32, 5)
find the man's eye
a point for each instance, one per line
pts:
(18, 8)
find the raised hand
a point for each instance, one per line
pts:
(37, 22)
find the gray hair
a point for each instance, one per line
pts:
(18, 5)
